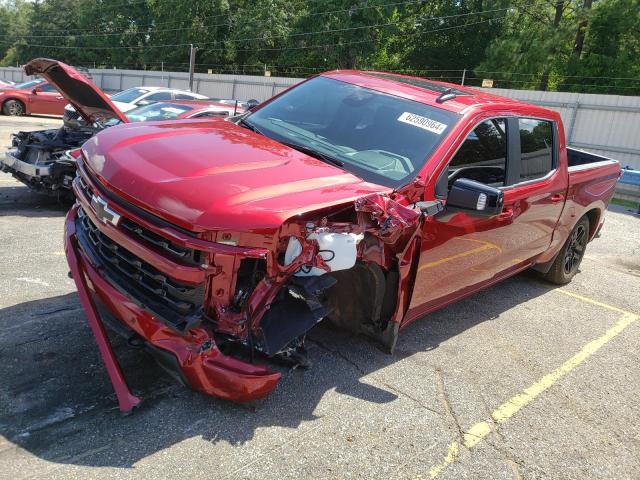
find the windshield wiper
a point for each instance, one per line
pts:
(314, 153)
(250, 126)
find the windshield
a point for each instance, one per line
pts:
(379, 137)
(157, 111)
(29, 84)
(129, 95)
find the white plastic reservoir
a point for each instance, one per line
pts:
(338, 250)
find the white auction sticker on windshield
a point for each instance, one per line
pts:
(422, 122)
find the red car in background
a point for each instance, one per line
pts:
(33, 97)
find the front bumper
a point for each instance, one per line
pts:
(200, 362)
(13, 164)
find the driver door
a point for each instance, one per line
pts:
(45, 99)
(461, 251)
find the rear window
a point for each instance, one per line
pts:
(536, 148)
(29, 84)
(129, 95)
(155, 97)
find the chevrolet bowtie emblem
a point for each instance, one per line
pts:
(103, 212)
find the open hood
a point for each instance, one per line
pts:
(88, 100)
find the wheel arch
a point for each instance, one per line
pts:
(593, 215)
(17, 99)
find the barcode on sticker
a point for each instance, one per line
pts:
(422, 122)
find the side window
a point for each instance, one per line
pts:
(156, 97)
(483, 155)
(184, 96)
(48, 88)
(536, 148)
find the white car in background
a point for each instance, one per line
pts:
(139, 96)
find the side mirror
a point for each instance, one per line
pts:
(143, 103)
(252, 104)
(475, 197)
(35, 90)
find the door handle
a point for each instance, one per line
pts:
(507, 214)
(558, 197)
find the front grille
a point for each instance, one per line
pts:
(178, 304)
(186, 255)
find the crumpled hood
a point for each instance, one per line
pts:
(211, 174)
(85, 96)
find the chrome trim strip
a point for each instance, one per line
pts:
(589, 166)
(533, 180)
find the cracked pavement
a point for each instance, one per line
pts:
(357, 412)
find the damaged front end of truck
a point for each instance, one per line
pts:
(342, 265)
(227, 310)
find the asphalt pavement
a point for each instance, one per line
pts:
(521, 381)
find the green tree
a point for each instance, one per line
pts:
(571, 45)
(14, 21)
(609, 58)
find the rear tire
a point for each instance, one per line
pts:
(14, 108)
(567, 262)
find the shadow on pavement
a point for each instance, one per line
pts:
(58, 405)
(19, 200)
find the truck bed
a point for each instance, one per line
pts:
(584, 159)
(594, 173)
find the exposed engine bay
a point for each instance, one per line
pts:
(345, 266)
(45, 160)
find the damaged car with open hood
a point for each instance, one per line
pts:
(45, 160)
(361, 199)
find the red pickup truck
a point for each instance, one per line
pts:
(364, 199)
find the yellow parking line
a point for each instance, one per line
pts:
(592, 301)
(508, 409)
(484, 246)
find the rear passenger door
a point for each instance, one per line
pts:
(535, 189)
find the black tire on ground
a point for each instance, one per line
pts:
(566, 264)
(13, 107)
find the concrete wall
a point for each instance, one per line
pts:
(605, 124)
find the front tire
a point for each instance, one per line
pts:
(14, 108)
(567, 262)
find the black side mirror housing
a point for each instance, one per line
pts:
(252, 104)
(475, 197)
